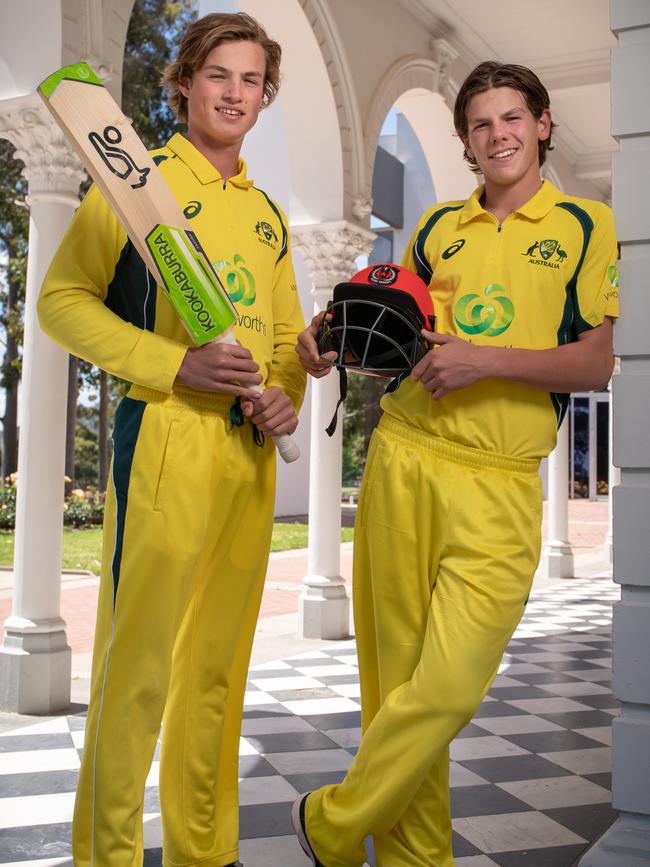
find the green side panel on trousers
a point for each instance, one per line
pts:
(128, 420)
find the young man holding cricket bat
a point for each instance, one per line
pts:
(189, 509)
(524, 287)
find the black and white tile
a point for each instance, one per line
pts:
(530, 775)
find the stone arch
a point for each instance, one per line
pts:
(355, 181)
(407, 73)
(318, 126)
(22, 70)
(95, 31)
(422, 86)
(70, 30)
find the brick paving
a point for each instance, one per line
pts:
(587, 529)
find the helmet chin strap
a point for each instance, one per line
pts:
(343, 385)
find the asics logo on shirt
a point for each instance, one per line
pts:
(453, 248)
(192, 209)
(489, 314)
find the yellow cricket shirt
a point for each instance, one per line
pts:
(99, 301)
(536, 281)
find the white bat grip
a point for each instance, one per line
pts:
(289, 451)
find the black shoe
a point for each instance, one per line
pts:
(298, 822)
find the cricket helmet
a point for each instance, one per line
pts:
(375, 320)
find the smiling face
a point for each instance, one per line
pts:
(225, 95)
(503, 136)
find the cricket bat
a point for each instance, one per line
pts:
(138, 194)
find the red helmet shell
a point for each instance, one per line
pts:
(398, 278)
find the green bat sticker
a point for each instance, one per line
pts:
(77, 72)
(189, 283)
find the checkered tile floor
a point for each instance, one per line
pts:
(530, 774)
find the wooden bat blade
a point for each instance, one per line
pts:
(112, 152)
(122, 168)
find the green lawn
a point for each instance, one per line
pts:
(81, 548)
(289, 536)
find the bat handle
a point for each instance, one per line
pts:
(289, 451)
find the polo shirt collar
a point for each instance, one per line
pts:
(535, 208)
(201, 167)
(472, 207)
(541, 203)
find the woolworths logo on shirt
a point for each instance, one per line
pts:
(239, 283)
(489, 314)
(612, 276)
(238, 280)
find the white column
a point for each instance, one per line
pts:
(613, 479)
(557, 556)
(627, 842)
(329, 251)
(35, 657)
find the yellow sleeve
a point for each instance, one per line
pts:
(72, 308)
(597, 280)
(286, 372)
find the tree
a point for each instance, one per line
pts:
(71, 422)
(101, 394)
(154, 31)
(361, 416)
(14, 224)
(85, 469)
(102, 434)
(152, 40)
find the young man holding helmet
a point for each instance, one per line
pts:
(523, 282)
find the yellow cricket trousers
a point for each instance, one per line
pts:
(446, 545)
(187, 531)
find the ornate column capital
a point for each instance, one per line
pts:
(330, 251)
(52, 169)
(361, 207)
(445, 55)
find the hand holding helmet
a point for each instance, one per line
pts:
(374, 323)
(315, 364)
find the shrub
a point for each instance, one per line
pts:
(82, 508)
(8, 502)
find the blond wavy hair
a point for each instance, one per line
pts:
(204, 35)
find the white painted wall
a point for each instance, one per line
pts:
(419, 191)
(30, 44)
(433, 125)
(299, 165)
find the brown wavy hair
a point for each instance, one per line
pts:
(204, 35)
(492, 74)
